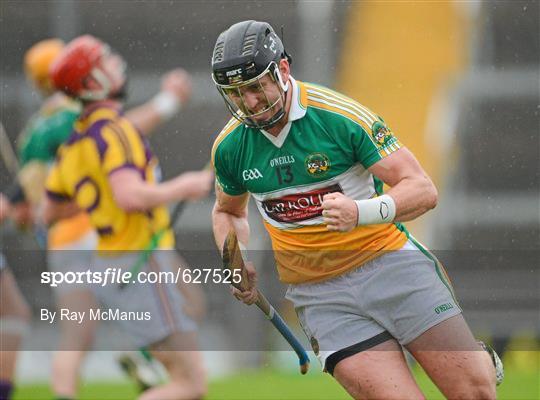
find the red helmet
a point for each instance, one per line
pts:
(88, 70)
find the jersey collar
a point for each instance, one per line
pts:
(95, 112)
(298, 100)
(297, 111)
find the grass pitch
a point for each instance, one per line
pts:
(270, 385)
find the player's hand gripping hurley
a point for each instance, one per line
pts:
(233, 260)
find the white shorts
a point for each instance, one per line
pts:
(399, 294)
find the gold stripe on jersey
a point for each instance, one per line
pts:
(302, 94)
(346, 112)
(370, 115)
(363, 112)
(341, 96)
(327, 100)
(313, 253)
(366, 123)
(231, 126)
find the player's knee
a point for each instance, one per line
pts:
(479, 385)
(196, 387)
(484, 391)
(192, 377)
(197, 380)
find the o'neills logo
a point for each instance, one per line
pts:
(298, 206)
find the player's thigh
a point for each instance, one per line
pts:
(450, 355)
(378, 373)
(77, 335)
(12, 302)
(195, 301)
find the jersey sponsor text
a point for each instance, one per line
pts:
(298, 207)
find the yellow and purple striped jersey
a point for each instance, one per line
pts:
(327, 146)
(103, 142)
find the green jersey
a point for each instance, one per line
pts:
(327, 146)
(48, 129)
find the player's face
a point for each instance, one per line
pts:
(259, 100)
(114, 66)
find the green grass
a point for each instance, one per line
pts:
(269, 385)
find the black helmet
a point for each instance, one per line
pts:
(243, 54)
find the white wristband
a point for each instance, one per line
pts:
(379, 210)
(166, 104)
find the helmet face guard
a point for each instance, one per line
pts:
(234, 97)
(104, 78)
(245, 63)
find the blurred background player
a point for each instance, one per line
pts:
(71, 240)
(14, 318)
(107, 169)
(361, 285)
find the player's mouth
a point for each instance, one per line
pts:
(262, 113)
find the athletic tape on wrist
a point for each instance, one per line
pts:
(379, 210)
(166, 104)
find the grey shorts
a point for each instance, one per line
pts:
(400, 295)
(76, 256)
(158, 307)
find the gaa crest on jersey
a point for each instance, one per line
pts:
(317, 164)
(381, 133)
(251, 174)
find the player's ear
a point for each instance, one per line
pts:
(284, 69)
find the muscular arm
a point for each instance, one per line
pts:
(410, 186)
(145, 117)
(175, 91)
(230, 212)
(148, 117)
(411, 190)
(132, 193)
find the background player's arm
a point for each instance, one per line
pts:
(132, 193)
(411, 188)
(53, 210)
(175, 92)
